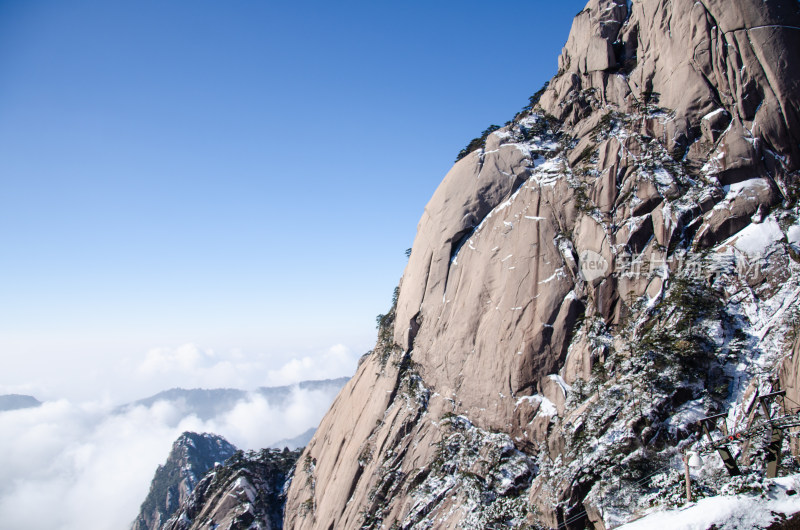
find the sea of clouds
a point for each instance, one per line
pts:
(88, 465)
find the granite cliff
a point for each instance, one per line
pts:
(614, 263)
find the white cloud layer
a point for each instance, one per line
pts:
(83, 466)
(338, 361)
(190, 366)
(132, 375)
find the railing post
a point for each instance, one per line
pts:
(774, 451)
(775, 434)
(687, 478)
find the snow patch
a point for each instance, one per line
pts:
(564, 386)
(558, 274)
(713, 113)
(738, 187)
(687, 414)
(756, 238)
(729, 512)
(793, 234)
(547, 407)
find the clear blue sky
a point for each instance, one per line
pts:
(238, 175)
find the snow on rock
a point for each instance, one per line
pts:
(689, 413)
(547, 407)
(793, 234)
(735, 512)
(246, 492)
(560, 381)
(756, 238)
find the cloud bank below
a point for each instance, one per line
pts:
(90, 463)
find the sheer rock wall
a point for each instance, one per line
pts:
(670, 127)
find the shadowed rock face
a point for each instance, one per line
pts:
(671, 128)
(192, 455)
(246, 492)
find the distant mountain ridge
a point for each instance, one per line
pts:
(297, 442)
(17, 401)
(208, 403)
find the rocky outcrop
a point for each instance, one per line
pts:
(581, 281)
(192, 455)
(246, 492)
(721, 68)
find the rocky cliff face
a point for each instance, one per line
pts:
(616, 262)
(247, 492)
(192, 455)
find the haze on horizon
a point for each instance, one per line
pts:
(220, 194)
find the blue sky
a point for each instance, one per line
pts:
(240, 176)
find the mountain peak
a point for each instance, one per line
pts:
(247, 492)
(693, 58)
(192, 455)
